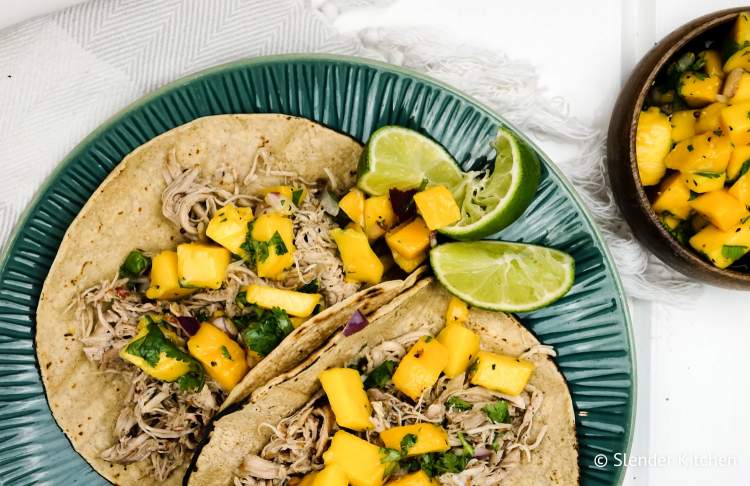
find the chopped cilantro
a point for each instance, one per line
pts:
(458, 404)
(297, 196)
(709, 175)
(733, 252)
(151, 346)
(225, 352)
(262, 329)
(278, 244)
(693, 195)
(468, 448)
(743, 170)
(380, 375)
(391, 458)
(434, 464)
(407, 442)
(497, 412)
(310, 287)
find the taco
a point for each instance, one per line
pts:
(207, 262)
(420, 396)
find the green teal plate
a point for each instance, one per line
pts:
(589, 327)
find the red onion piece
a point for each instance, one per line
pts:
(189, 324)
(356, 323)
(226, 325)
(402, 203)
(482, 452)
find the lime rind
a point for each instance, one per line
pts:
(490, 201)
(503, 276)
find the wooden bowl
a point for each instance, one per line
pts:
(621, 163)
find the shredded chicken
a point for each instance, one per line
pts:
(295, 448)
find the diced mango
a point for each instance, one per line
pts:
(738, 60)
(462, 345)
(222, 357)
(670, 222)
(735, 123)
(457, 312)
(711, 62)
(698, 89)
(201, 265)
(673, 197)
(502, 373)
(421, 367)
(437, 207)
(741, 190)
(683, 125)
(722, 248)
(429, 438)
(359, 459)
(298, 304)
(706, 152)
(741, 29)
(742, 89)
(419, 478)
(409, 239)
(308, 479)
(331, 475)
(347, 397)
(361, 264)
(709, 119)
(279, 257)
(379, 216)
(228, 227)
(353, 205)
(739, 163)
(164, 284)
(701, 182)
(167, 368)
(408, 265)
(721, 208)
(653, 139)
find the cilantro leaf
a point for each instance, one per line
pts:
(310, 287)
(380, 375)
(434, 464)
(709, 175)
(262, 329)
(225, 352)
(407, 442)
(733, 252)
(458, 404)
(497, 412)
(297, 196)
(391, 458)
(278, 244)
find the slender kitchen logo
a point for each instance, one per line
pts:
(688, 460)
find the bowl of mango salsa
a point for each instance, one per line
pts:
(679, 149)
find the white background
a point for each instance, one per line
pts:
(693, 386)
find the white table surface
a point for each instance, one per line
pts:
(692, 423)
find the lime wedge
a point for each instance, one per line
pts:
(396, 157)
(493, 200)
(495, 275)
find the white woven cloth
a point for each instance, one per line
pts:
(64, 74)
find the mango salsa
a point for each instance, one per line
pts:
(735, 123)
(701, 182)
(709, 118)
(353, 205)
(721, 247)
(741, 29)
(272, 256)
(359, 459)
(673, 197)
(331, 475)
(228, 227)
(421, 367)
(741, 190)
(462, 345)
(721, 208)
(429, 438)
(739, 162)
(347, 397)
(437, 207)
(706, 152)
(378, 216)
(164, 284)
(711, 62)
(418, 478)
(298, 304)
(741, 88)
(409, 239)
(698, 89)
(505, 374)
(457, 312)
(683, 125)
(361, 264)
(408, 265)
(738, 60)
(221, 356)
(653, 139)
(201, 265)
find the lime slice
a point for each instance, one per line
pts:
(494, 200)
(495, 275)
(396, 157)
